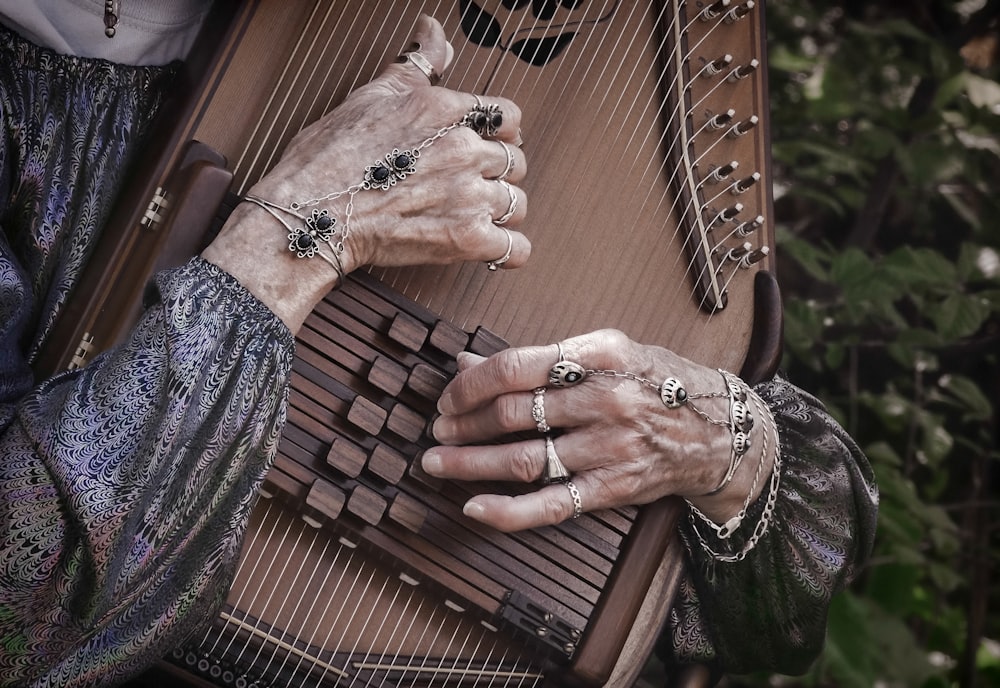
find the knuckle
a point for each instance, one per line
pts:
(556, 508)
(510, 364)
(505, 409)
(523, 466)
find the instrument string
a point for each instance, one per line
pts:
(250, 540)
(288, 629)
(260, 626)
(446, 652)
(274, 547)
(279, 93)
(359, 632)
(615, 108)
(330, 594)
(574, 69)
(460, 77)
(424, 656)
(349, 621)
(394, 661)
(694, 197)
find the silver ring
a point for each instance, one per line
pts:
(538, 410)
(555, 470)
(492, 265)
(566, 373)
(418, 60)
(510, 162)
(513, 203)
(575, 495)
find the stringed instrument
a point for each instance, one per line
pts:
(646, 134)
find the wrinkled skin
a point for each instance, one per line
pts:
(618, 440)
(441, 214)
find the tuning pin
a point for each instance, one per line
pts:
(743, 71)
(738, 13)
(750, 226)
(722, 119)
(716, 66)
(727, 215)
(754, 256)
(714, 10)
(740, 128)
(737, 253)
(743, 185)
(719, 174)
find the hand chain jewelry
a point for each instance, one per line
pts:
(320, 227)
(760, 529)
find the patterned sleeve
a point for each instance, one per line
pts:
(821, 533)
(125, 486)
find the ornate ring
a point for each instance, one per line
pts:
(483, 119)
(575, 495)
(418, 60)
(511, 208)
(492, 265)
(510, 162)
(555, 471)
(566, 373)
(538, 410)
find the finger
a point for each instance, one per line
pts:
(504, 162)
(548, 506)
(513, 248)
(511, 370)
(433, 55)
(516, 462)
(505, 115)
(505, 414)
(525, 461)
(511, 204)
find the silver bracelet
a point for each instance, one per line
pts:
(762, 525)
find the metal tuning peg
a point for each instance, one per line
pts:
(746, 255)
(750, 226)
(743, 185)
(743, 71)
(714, 10)
(737, 13)
(741, 128)
(727, 215)
(720, 174)
(722, 119)
(715, 66)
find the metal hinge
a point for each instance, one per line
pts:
(154, 211)
(83, 350)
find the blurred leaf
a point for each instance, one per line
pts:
(960, 315)
(968, 396)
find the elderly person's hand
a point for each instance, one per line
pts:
(455, 203)
(613, 432)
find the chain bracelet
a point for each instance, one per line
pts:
(762, 525)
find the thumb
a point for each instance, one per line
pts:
(434, 55)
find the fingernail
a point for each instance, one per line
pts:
(431, 463)
(474, 510)
(445, 404)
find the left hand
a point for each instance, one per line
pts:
(618, 440)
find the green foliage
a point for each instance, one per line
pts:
(887, 155)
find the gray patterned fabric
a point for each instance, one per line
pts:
(125, 486)
(821, 533)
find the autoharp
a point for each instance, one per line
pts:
(646, 132)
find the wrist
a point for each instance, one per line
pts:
(253, 247)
